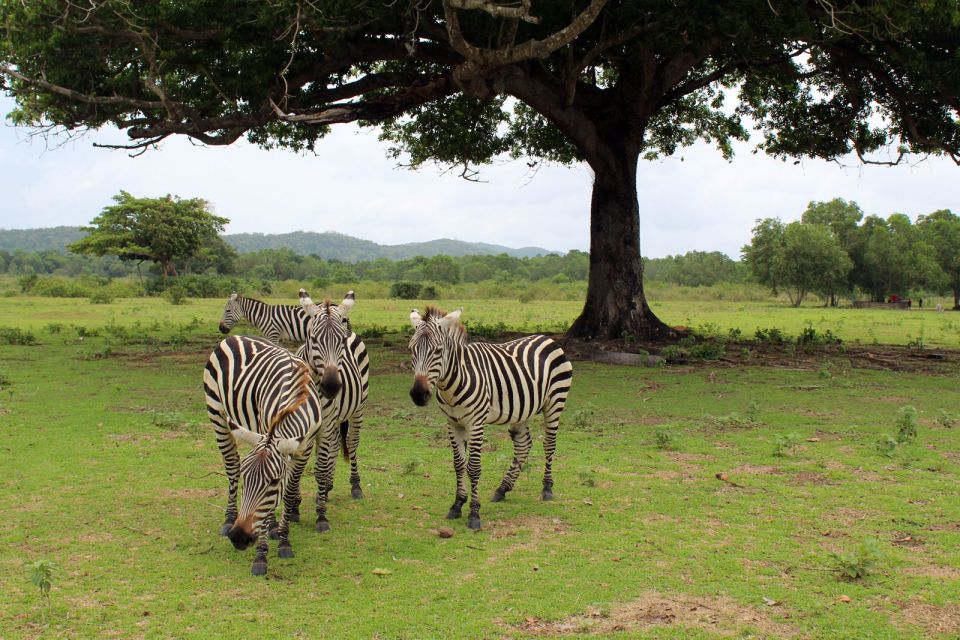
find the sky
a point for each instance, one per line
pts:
(693, 201)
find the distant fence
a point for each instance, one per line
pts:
(866, 304)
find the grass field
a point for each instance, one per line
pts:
(110, 470)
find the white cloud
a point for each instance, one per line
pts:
(700, 203)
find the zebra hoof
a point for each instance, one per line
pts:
(323, 526)
(285, 551)
(294, 517)
(453, 514)
(357, 493)
(498, 496)
(259, 569)
(225, 528)
(473, 522)
(547, 494)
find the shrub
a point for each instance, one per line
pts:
(14, 335)
(430, 292)
(860, 563)
(665, 439)
(100, 297)
(783, 443)
(906, 424)
(176, 294)
(886, 446)
(405, 290)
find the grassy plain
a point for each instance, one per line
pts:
(108, 468)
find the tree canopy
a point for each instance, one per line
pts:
(161, 230)
(462, 81)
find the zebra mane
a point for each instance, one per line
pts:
(299, 393)
(436, 313)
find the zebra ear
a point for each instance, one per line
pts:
(233, 296)
(244, 435)
(415, 318)
(451, 318)
(288, 446)
(347, 304)
(307, 303)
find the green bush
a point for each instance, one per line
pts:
(405, 290)
(14, 335)
(100, 296)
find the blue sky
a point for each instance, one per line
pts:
(692, 201)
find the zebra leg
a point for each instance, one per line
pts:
(520, 434)
(458, 438)
(551, 424)
(327, 445)
(231, 463)
(259, 567)
(475, 444)
(284, 550)
(353, 443)
(291, 493)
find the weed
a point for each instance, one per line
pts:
(665, 439)
(886, 446)
(583, 416)
(858, 564)
(41, 573)
(373, 331)
(484, 331)
(84, 332)
(783, 443)
(672, 353)
(411, 466)
(752, 413)
(588, 478)
(945, 419)
(13, 335)
(824, 373)
(5, 380)
(709, 350)
(906, 424)
(54, 328)
(916, 343)
(166, 419)
(772, 335)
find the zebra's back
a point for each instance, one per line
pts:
(523, 377)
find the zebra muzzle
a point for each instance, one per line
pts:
(330, 382)
(420, 392)
(224, 328)
(240, 536)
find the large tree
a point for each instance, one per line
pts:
(161, 230)
(606, 82)
(941, 231)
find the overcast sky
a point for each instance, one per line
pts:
(692, 201)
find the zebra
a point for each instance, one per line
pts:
(481, 384)
(260, 394)
(275, 321)
(338, 359)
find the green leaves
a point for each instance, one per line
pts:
(41, 574)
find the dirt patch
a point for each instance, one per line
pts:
(935, 571)
(537, 526)
(755, 469)
(935, 620)
(717, 614)
(810, 477)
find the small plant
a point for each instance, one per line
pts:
(373, 331)
(858, 564)
(886, 446)
(583, 416)
(709, 350)
(917, 343)
(906, 424)
(752, 414)
(411, 466)
(54, 328)
(772, 335)
(176, 295)
(588, 478)
(665, 439)
(945, 419)
(41, 573)
(83, 332)
(783, 444)
(14, 335)
(824, 373)
(5, 380)
(672, 353)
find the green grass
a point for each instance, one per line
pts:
(109, 470)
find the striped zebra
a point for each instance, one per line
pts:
(260, 394)
(338, 359)
(480, 384)
(275, 321)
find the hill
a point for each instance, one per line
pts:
(329, 245)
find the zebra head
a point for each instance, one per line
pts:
(431, 334)
(261, 473)
(326, 337)
(231, 314)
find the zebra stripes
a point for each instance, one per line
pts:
(260, 394)
(480, 384)
(338, 359)
(276, 321)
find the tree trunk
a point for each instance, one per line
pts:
(956, 299)
(616, 306)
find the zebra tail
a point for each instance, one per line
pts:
(344, 427)
(299, 394)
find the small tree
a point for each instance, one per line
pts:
(160, 230)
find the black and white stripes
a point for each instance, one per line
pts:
(275, 321)
(480, 384)
(260, 394)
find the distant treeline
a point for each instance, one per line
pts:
(695, 268)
